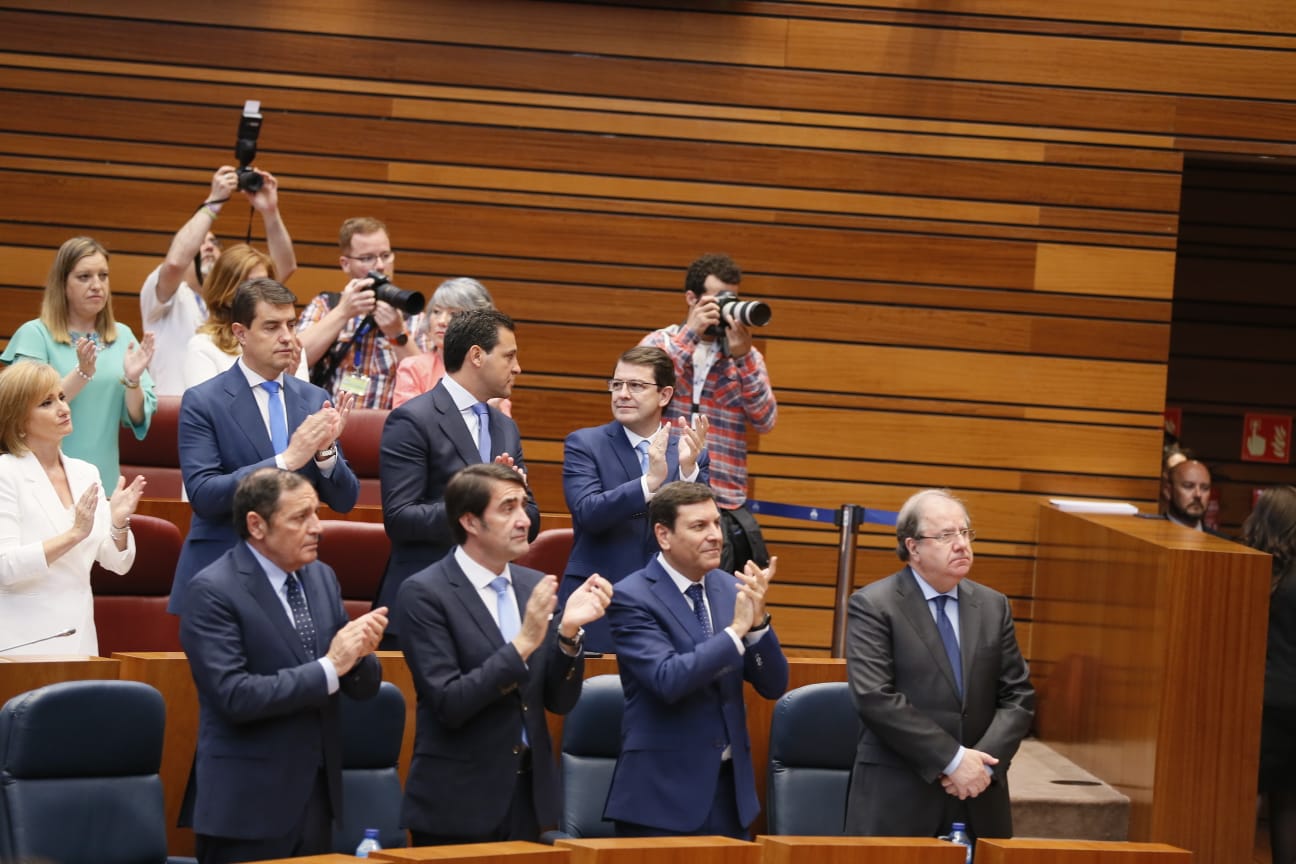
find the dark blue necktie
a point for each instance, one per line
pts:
(483, 431)
(950, 641)
(302, 619)
(278, 422)
(694, 593)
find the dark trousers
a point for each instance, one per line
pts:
(519, 823)
(721, 820)
(313, 835)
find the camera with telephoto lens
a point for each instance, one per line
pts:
(409, 302)
(750, 313)
(246, 145)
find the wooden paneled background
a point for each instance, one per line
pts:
(964, 213)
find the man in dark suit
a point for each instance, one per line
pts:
(487, 663)
(685, 764)
(269, 647)
(253, 416)
(429, 438)
(943, 693)
(611, 472)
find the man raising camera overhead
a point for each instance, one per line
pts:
(352, 340)
(720, 374)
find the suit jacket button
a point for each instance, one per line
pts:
(517, 748)
(524, 707)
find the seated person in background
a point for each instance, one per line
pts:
(1271, 528)
(489, 653)
(611, 472)
(687, 636)
(54, 520)
(270, 647)
(418, 374)
(105, 371)
(214, 348)
(1186, 493)
(255, 416)
(170, 305)
(352, 338)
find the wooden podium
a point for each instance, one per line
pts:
(509, 852)
(30, 671)
(850, 850)
(661, 850)
(1027, 851)
(1151, 641)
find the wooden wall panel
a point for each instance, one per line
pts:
(965, 218)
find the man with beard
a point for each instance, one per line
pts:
(1187, 492)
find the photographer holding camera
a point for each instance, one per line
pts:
(352, 339)
(720, 375)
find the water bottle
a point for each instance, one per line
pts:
(958, 834)
(370, 843)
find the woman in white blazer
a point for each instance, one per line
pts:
(54, 519)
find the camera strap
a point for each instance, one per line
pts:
(322, 372)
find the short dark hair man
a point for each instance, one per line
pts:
(365, 336)
(725, 380)
(487, 663)
(430, 438)
(611, 472)
(687, 636)
(270, 646)
(251, 416)
(943, 693)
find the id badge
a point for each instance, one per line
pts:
(355, 384)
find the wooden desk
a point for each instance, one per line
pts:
(330, 858)
(661, 850)
(514, 852)
(1152, 637)
(859, 850)
(1027, 851)
(30, 671)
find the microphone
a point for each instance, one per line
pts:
(68, 632)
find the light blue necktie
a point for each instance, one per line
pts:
(278, 422)
(946, 631)
(483, 432)
(694, 593)
(509, 623)
(642, 447)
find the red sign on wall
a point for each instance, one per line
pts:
(1173, 420)
(1266, 438)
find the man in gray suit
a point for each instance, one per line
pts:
(943, 693)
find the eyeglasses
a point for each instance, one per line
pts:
(635, 387)
(370, 260)
(946, 538)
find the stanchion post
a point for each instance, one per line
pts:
(848, 519)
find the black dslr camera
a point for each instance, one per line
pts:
(750, 313)
(409, 302)
(245, 147)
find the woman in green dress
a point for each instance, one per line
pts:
(104, 369)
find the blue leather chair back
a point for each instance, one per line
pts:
(813, 735)
(79, 774)
(590, 745)
(371, 790)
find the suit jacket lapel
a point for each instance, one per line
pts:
(258, 585)
(969, 626)
(466, 593)
(452, 424)
(920, 617)
(721, 600)
(674, 601)
(626, 456)
(35, 478)
(245, 413)
(320, 603)
(296, 404)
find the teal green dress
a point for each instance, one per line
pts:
(101, 404)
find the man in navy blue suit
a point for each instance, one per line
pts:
(487, 662)
(252, 416)
(611, 472)
(269, 647)
(687, 635)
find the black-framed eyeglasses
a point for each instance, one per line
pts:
(370, 260)
(635, 387)
(946, 538)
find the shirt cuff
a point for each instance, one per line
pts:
(330, 674)
(326, 467)
(643, 486)
(738, 643)
(280, 463)
(692, 476)
(954, 763)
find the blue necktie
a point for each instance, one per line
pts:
(642, 447)
(483, 432)
(946, 631)
(508, 615)
(301, 614)
(278, 422)
(694, 593)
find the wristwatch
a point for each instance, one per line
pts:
(765, 622)
(575, 641)
(401, 340)
(325, 455)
